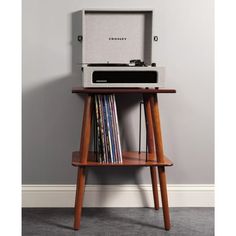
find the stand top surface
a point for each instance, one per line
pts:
(121, 90)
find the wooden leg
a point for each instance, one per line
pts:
(149, 124)
(157, 128)
(151, 148)
(86, 129)
(160, 157)
(79, 196)
(84, 149)
(153, 171)
(164, 197)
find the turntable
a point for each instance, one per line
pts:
(116, 48)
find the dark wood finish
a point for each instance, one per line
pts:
(84, 150)
(151, 149)
(79, 196)
(153, 171)
(157, 128)
(164, 196)
(155, 157)
(160, 158)
(129, 159)
(86, 129)
(121, 90)
(149, 124)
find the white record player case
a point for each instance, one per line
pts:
(112, 36)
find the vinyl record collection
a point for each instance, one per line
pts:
(107, 128)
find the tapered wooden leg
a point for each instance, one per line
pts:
(160, 157)
(79, 196)
(151, 148)
(164, 197)
(84, 149)
(153, 171)
(157, 128)
(86, 129)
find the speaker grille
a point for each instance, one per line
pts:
(125, 77)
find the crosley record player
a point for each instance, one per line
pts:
(116, 48)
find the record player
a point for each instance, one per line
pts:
(116, 48)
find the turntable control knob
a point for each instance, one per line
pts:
(153, 64)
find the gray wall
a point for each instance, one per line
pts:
(52, 115)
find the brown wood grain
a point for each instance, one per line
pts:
(86, 128)
(84, 150)
(164, 197)
(151, 148)
(79, 197)
(157, 128)
(121, 90)
(153, 171)
(149, 124)
(129, 159)
(155, 157)
(160, 158)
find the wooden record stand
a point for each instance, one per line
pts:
(155, 156)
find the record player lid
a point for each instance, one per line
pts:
(115, 36)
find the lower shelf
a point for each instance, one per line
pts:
(129, 159)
